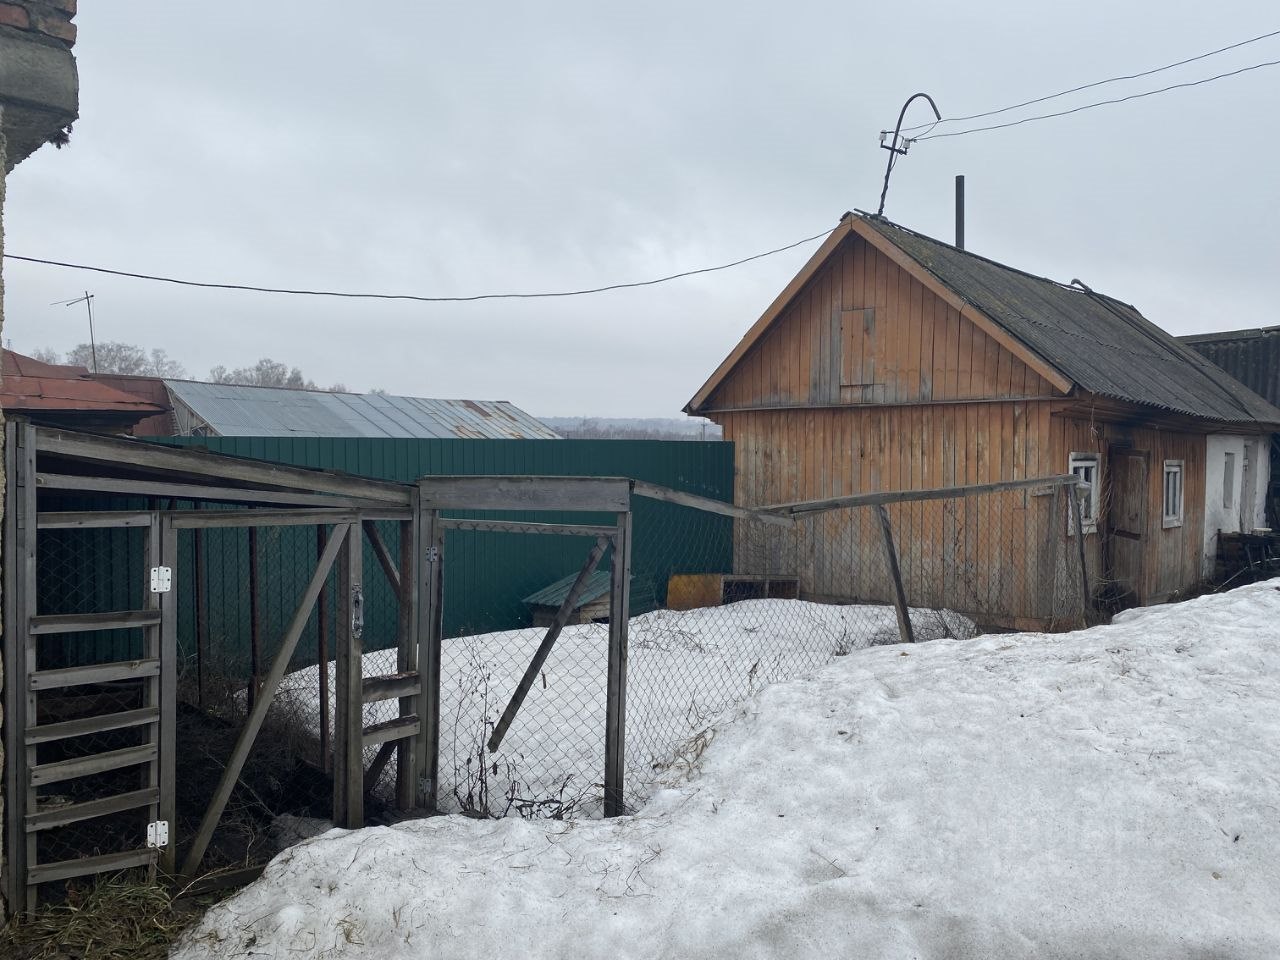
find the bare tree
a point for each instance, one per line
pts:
(46, 355)
(124, 358)
(265, 373)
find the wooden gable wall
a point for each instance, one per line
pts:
(863, 331)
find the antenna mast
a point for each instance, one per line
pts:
(893, 147)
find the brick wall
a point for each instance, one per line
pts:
(46, 20)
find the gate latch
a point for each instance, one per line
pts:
(158, 833)
(161, 579)
(357, 612)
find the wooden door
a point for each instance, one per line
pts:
(1125, 520)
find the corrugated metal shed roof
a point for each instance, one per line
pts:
(233, 410)
(1251, 356)
(1104, 345)
(554, 594)
(33, 385)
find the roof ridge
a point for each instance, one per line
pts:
(995, 263)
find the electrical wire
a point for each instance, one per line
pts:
(1098, 83)
(1099, 103)
(414, 297)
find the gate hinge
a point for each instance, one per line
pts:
(161, 579)
(357, 612)
(433, 554)
(158, 833)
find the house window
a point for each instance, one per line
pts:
(1172, 493)
(1229, 480)
(1085, 467)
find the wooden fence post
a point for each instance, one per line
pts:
(430, 571)
(899, 594)
(348, 726)
(616, 702)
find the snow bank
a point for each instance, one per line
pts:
(1109, 793)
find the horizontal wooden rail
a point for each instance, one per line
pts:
(95, 763)
(193, 491)
(46, 732)
(75, 812)
(904, 496)
(84, 622)
(396, 729)
(90, 520)
(516, 526)
(205, 519)
(94, 673)
(390, 686)
(84, 866)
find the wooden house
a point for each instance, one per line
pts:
(894, 361)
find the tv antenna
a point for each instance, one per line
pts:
(899, 145)
(87, 300)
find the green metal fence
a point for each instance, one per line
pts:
(491, 574)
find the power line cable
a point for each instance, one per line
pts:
(407, 296)
(1099, 103)
(1097, 83)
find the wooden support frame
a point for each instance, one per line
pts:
(340, 537)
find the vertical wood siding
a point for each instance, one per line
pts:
(864, 331)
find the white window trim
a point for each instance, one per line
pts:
(1086, 459)
(1168, 520)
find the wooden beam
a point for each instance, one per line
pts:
(389, 730)
(548, 641)
(579, 494)
(75, 812)
(85, 622)
(253, 723)
(390, 687)
(895, 575)
(430, 576)
(168, 730)
(153, 456)
(407, 658)
(348, 715)
(191, 491)
(384, 556)
(91, 520)
(616, 680)
(516, 526)
(899, 496)
(94, 673)
(205, 519)
(47, 732)
(61, 770)
(85, 866)
(654, 492)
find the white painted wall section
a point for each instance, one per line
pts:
(1227, 487)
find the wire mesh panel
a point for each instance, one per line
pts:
(551, 759)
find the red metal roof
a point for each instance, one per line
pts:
(30, 384)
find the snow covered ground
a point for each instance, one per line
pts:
(1113, 792)
(685, 668)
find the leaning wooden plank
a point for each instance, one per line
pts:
(90, 520)
(390, 686)
(395, 729)
(654, 492)
(75, 812)
(899, 594)
(46, 732)
(96, 673)
(204, 464)
(384, 556)
(899, 496)
(374, 773)
(84, 622)
(95, 763)
(548, 641)
(86, 866)
(253, 723)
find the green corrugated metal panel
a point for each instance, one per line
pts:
(488, 574)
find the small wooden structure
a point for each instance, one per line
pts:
(592, 603)
(688, 591)
(893, 361)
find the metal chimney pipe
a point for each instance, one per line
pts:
(960, 211)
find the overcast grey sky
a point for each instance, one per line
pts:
(458, 149)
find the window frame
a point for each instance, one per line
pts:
(1088, 460)
(1173, 468)
(1229, 480)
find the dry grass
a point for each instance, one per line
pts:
(121, 917)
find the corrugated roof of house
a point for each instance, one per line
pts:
(233, 410)
(1251, 356)
(33, 385)
(1103, 344)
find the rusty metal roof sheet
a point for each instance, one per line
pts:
(31, 384)
(1104, 345)
(233, 410)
